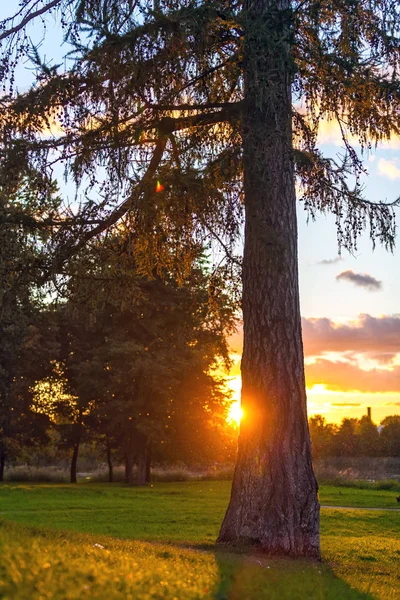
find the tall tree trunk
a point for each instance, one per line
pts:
(273, 503)
(2, 465)
(109, 461)
(74, 462)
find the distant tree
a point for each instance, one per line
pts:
(221, 102)
(136, 359)
(390, 435)
(27, 344)
(75, 409)
(368, 437)
(322, 436)
(156, 353)
(25, 358)
(346, 441)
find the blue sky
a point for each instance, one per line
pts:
(365, 376)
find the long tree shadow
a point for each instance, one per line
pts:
(246, 576)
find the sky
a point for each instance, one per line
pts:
(350, 304)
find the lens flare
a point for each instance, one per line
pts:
(159, 187)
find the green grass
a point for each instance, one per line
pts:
(159, 543)
(363, 498)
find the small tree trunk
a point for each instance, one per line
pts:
(74, 462)
(109, 461)
(141, 468)
(274, 503)
(2, 465)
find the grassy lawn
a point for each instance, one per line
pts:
(159, 543)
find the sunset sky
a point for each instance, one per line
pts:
(350, 305)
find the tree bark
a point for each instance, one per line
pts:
(74, 462)
(141, 467)
(2, 465)
(274, 504)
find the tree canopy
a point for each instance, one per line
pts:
(153, 93)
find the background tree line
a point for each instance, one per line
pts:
(355, 437)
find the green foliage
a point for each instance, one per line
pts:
(322, 436)
(26, 333)
(355, 437)
(390, 435)
(138, 357)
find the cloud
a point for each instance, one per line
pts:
(388, 168)
(329, 133)
(346, 404)
(330, 261)
(345, 377)
(384, 358)
(374, 335)
(360, 279)
(378, 337)
(392, 404)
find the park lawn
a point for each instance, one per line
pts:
(364, 498)
(361, 549)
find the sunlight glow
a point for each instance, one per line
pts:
(235, 413)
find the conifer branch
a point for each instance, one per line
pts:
(189, 107)
(117, 214)
(28, 18)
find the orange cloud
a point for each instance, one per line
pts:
(346, 377)
(329, 132)
(376, 335)
(362, 356)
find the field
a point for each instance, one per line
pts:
(102, 541)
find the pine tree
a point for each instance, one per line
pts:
(190, 109)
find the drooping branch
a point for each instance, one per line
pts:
(28, 18)
(117, 214)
